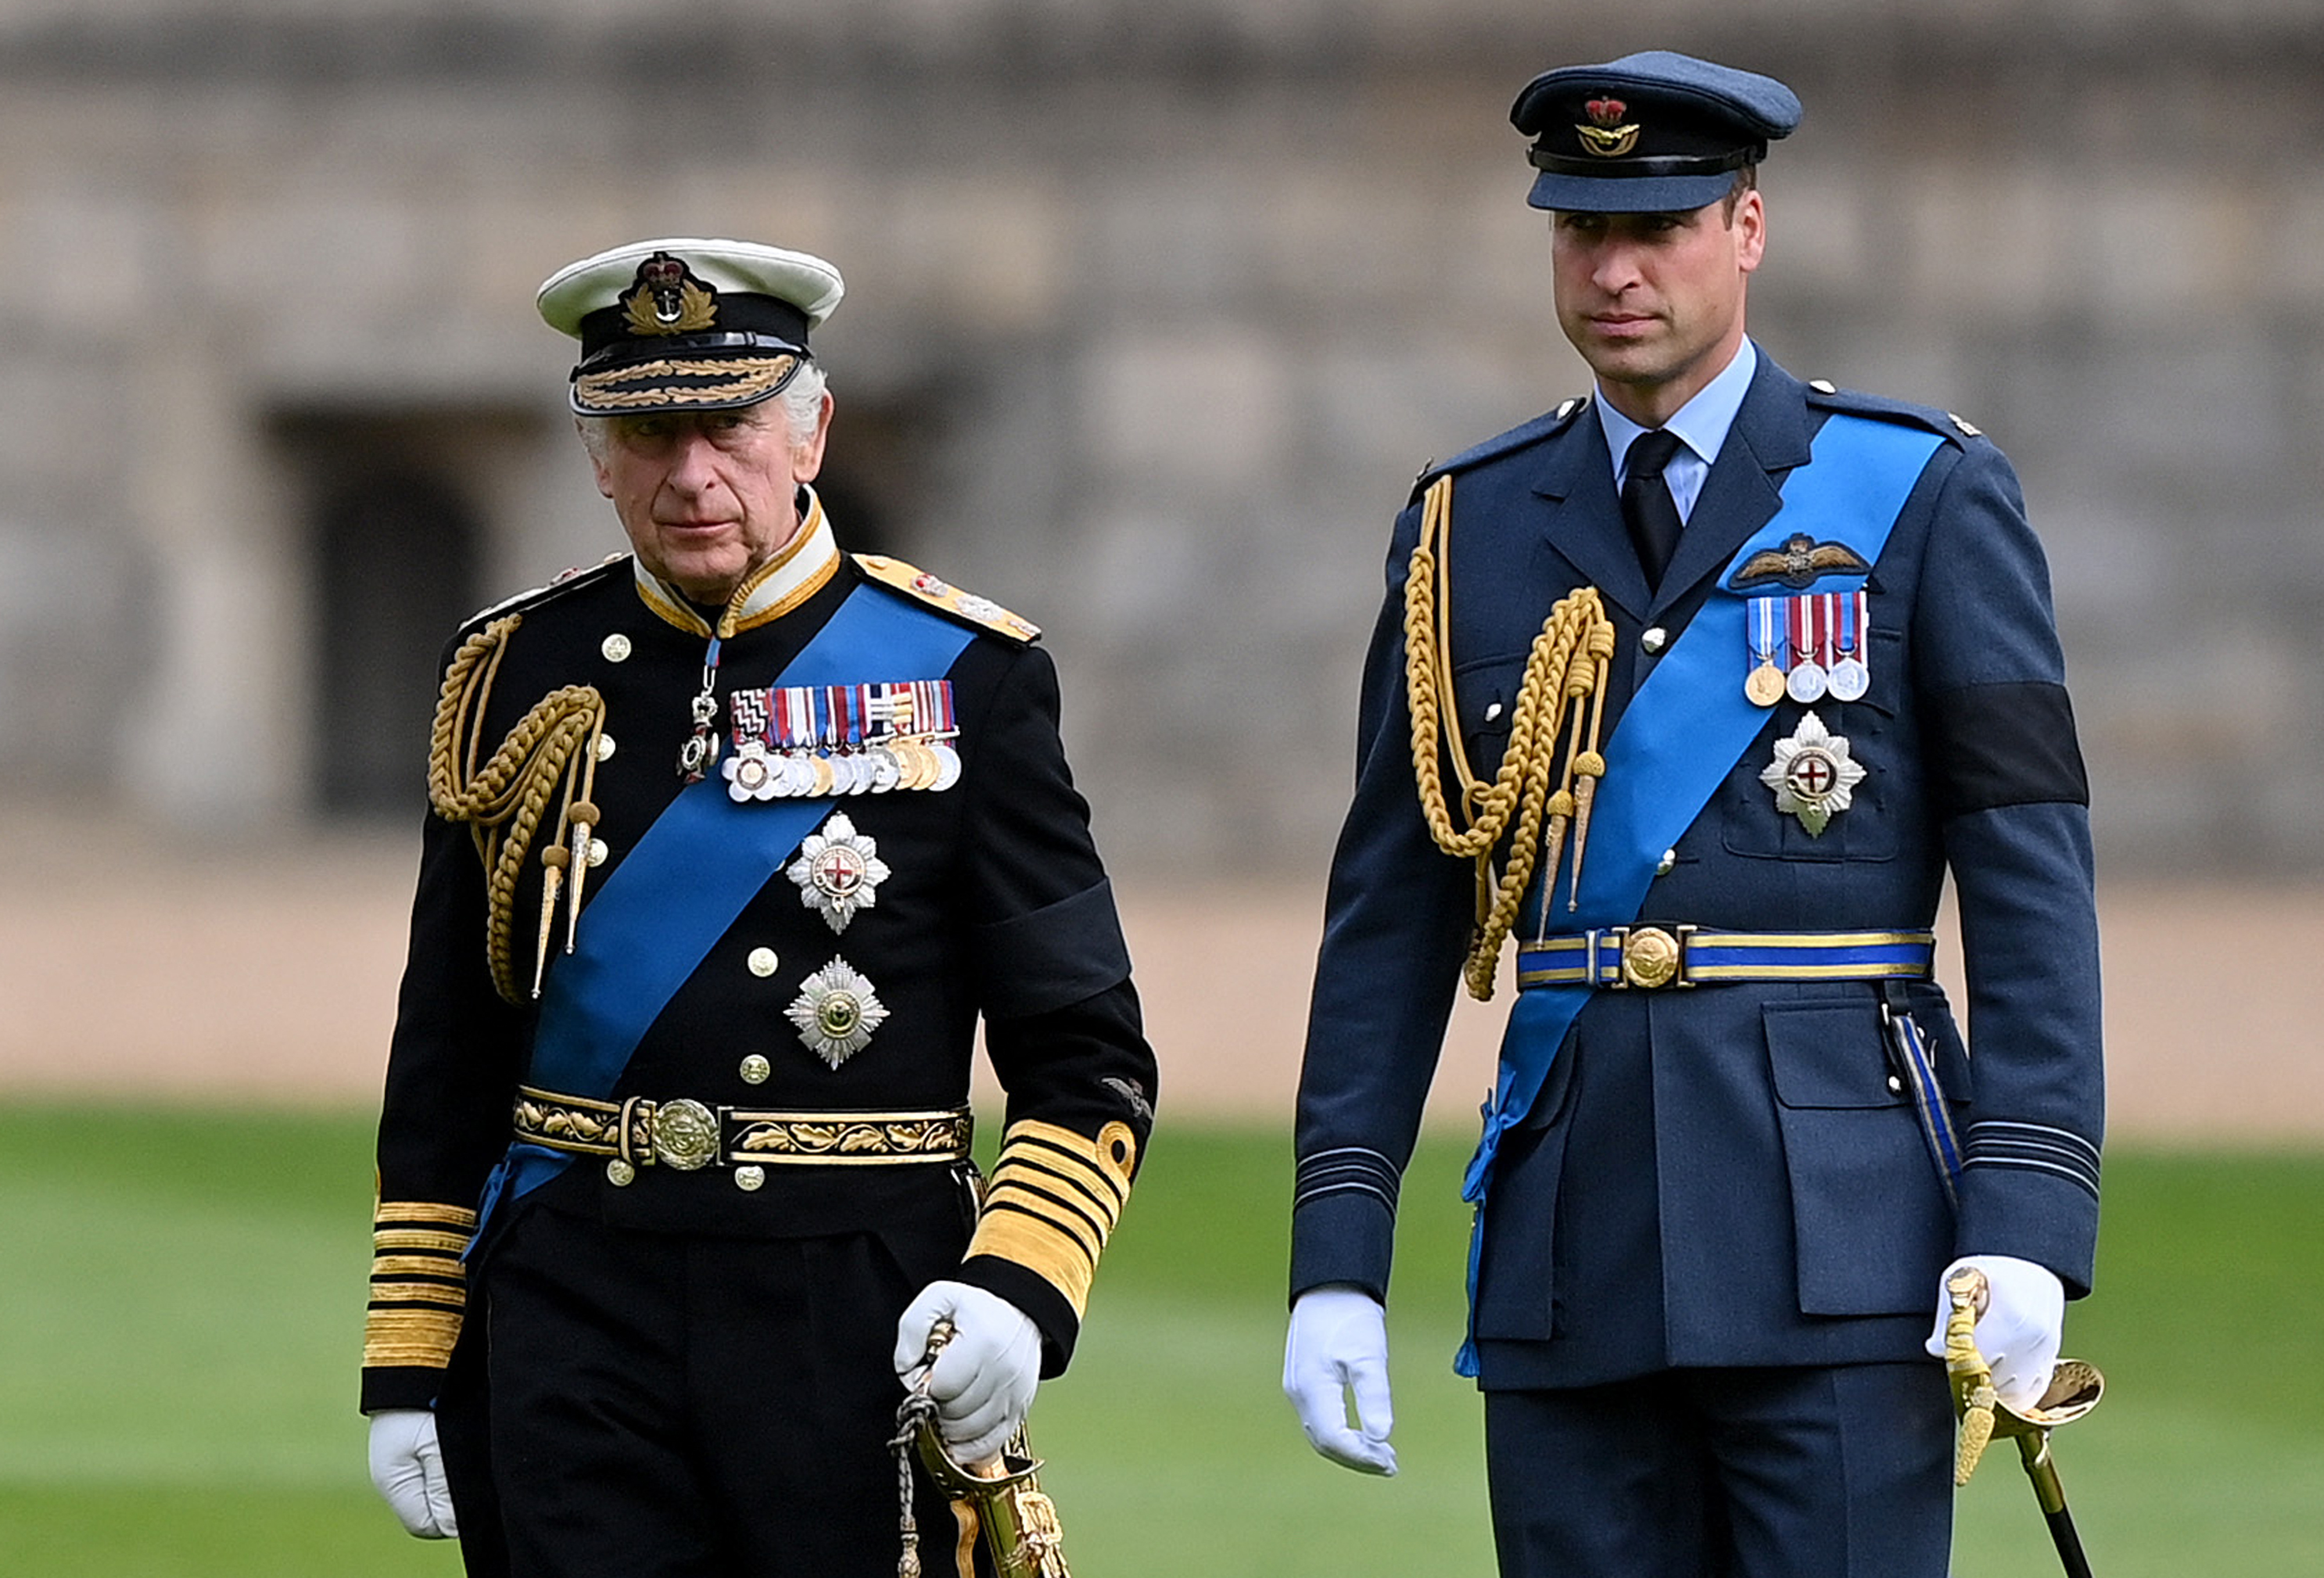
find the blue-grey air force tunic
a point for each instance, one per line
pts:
(1725, 1175)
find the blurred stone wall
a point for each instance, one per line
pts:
(1153, 312)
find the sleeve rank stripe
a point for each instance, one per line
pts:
(1080, 1147)
(1041, 1247)
(457, 1217)
(442, 1266)
(454, 1244)
(2074, 1174)
(1093, 1180)
(1350, 1162)
(1045, 1173)
(428, 1293)
(410, 1338)
(430, 1272)
(2066, 1138)
(1986, 1145)
(1062, 1213)
(1352, 1186)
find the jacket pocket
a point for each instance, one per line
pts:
(1515, 1276)
(1871, 1222)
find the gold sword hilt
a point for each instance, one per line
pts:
(1971, 1377)
(2074, 1389)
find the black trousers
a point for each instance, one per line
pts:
(1839, 1472)
(666, 1406)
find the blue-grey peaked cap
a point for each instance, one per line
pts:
(1651, 133)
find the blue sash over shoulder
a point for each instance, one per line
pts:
(1678, 739)
(687, 881)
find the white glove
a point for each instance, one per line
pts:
(1338, 1342)
(407, 1469)
(2018, 1334)
(984, 1381)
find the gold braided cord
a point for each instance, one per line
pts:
(1566, 664)
(553, 748)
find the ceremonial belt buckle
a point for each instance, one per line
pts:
(683, 1132)
(1650, 956)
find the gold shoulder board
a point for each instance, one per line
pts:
(938, 593)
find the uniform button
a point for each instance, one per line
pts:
(755, 1069)
(762, 962)
(1492, 712)
(1895, 1086)
(604, 747)
(1655, 640)
(599, 851)
(616, 647)
(1663, 866)
(748, 1177)
(619, 1174)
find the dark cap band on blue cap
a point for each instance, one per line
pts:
(1651, 133)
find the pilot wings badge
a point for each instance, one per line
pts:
(1799, 564)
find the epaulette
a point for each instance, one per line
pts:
(947, 599)
(1824, 392)
(1549, 424)
(565, 581)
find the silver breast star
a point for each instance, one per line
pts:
(1813, 775)
(836, 1013)
(838, 871)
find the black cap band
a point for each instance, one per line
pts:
(627, 350)
(1542, 158)
(746, 322)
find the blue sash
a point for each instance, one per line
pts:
(688, 879)
(1679, 738)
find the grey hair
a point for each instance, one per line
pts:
(801, 397)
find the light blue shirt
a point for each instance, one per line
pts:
(1700, 424)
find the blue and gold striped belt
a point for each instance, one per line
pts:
(1652, 956)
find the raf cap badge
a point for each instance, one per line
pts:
(667, 299)
(1606, 136)
(1813, 775)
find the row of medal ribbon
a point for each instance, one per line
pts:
(805, 742)
(1807, 648)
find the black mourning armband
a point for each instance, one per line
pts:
(2010, 744)
(1053, 956)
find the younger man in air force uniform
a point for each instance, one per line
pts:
(736, 838)
(1799, 663)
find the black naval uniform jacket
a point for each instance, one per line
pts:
(1723, 1175)
(996, 906)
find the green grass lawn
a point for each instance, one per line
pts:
(182, 1303)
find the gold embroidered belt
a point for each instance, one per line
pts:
(687, 1135)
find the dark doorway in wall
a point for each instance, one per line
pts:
(877, 483)
(398, 510)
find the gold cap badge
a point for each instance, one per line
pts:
(1606, 136)
(667, 299)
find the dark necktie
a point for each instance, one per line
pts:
(1648, 508)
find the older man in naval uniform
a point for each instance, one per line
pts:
(736, 838)
(1736, 1142)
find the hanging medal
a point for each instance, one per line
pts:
(1764, 629)
(700, 752)
(1849, 679)
(808, 742)
(1807, 682)
(752, 771)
